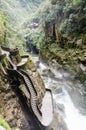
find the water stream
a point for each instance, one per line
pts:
(69, 96)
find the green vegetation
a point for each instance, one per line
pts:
(65, 19)
(17, 13)
(12, 38)
(4, 124)
(62, 28)
(69, 16)
(1, 29)
(8, 35)
(64, 35)
(61, 34)
(76, 1)
(34, 38)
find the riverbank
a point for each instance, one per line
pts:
(68, 95)
(71, 59)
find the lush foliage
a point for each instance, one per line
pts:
(1, 28)
(69, 15)
(18, 14)
(18, 10)
(4, 124)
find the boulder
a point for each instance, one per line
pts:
(56, 89)
(79, 42)
(61, 108)
(83, 68)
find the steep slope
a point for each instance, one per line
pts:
(64, 34)
(18, 10)
(64, 26)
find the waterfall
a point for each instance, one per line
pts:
(72, 116)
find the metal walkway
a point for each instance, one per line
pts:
(44, 115)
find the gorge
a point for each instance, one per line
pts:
(55, 31)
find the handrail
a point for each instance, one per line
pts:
(22, 74)
(49, 90)
(26, 74)
(19, 74)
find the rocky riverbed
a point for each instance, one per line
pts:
(68, 92)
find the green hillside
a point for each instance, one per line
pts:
(18, 10)
(15, 14)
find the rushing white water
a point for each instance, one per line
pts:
(42, 66)
(72, 117)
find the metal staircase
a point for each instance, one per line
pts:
(33, 94)
(43, 115)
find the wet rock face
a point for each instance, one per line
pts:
(15, 56)
(48, 29)
(36, 79)
(10, 107)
